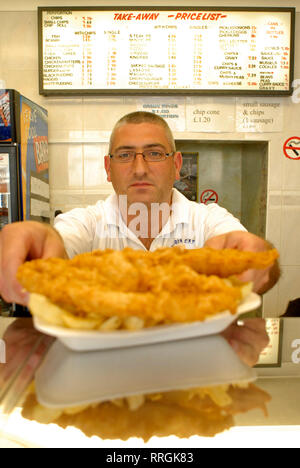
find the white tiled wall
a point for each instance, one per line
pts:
(79, 129)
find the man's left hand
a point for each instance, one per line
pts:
(248, 338)
(262, 280)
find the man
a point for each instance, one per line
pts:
(144, 213)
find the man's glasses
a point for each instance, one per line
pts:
(148, 155)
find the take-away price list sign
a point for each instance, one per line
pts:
(163, 50)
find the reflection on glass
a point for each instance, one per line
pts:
(184, 413)
(5, 215)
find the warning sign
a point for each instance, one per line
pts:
(291, 148)
(209, 196)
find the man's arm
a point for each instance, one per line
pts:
(250, 339)
(263, 280)
(20, 242)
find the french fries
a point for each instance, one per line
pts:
(41, 307)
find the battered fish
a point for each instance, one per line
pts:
(135, 289)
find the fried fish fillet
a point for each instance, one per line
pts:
(183, 413)
(165, 286)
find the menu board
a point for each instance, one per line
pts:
(166, 50)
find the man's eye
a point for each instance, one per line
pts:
(154, 154)
(124, 155)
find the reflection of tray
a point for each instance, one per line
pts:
(69, 379)
(95, 340)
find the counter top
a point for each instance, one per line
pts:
(24, 422)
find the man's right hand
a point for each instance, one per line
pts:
(20, 242)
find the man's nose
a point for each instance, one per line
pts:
(140, 166)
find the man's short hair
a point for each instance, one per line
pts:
(142, 117)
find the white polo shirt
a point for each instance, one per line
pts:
(101, 226)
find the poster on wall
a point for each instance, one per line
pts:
(166, 50)
(188, 183)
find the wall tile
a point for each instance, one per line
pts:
(18, 34)
(289, 287)
(290, 251)
(94, 172)
(270, 303)
(91, 198)
(273, 221)
(291, 168)
(66, 200)
(292, 109)
(102, 113)
(276, 160)
(66, 166)
(65, 119)
(271, 306)
(26, 82)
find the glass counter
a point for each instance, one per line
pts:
(262, 413)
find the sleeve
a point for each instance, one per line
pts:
(77, 229)
(219, 221)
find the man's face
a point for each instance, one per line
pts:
(141, 181)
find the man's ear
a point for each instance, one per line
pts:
(178, 164)
(107, 167)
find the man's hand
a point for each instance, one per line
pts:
(263, 280)
(23, 241)
(23, 343)
(248, 339)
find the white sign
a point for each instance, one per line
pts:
(207, 115)
(259, 115)
(171, 109)
(165, 49)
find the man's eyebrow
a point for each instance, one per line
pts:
(155, 144)
(150, 145)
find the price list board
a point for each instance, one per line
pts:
(166, 50)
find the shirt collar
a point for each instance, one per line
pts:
(111, 210)
(181, 207)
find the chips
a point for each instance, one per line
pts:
(41, 307)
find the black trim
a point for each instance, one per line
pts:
(131, 92)
(13, 153)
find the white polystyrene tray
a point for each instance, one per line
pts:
(88, 340)
(68, 379)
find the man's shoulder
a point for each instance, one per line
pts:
(194, 206)
(188, 211)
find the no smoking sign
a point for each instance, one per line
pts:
(209, 196)
(291, 148)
